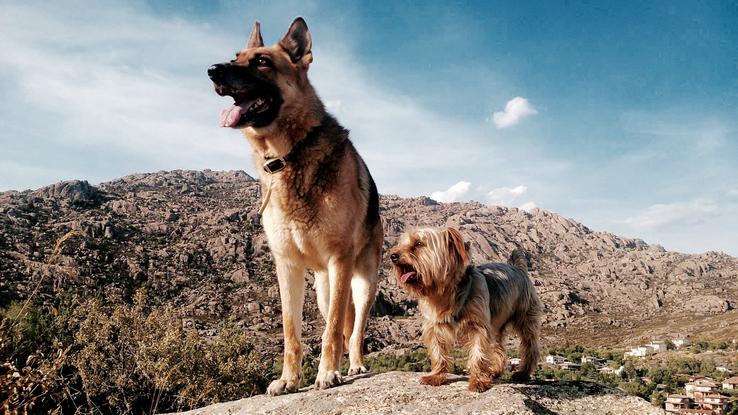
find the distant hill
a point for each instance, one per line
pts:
(193, 238)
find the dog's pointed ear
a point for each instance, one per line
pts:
(298, 43)
(456, 244)
(255, 39)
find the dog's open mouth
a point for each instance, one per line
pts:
(245, 109)
(408, 274)
(256, 99)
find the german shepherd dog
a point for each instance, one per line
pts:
(320, 204)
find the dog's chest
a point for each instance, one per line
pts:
(432, 315)
(288, 237)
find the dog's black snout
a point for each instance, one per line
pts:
(394, 257)
(215, 71)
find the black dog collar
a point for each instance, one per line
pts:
(272, 166)
(277, 164)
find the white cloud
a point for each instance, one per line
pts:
(505, 196)
(661, 215)
(527, 206)
(515, 110)
(112, 82)
(454, 193)
(732, 192)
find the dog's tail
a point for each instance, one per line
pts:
(520, 259)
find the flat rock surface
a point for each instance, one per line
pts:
(401, 393)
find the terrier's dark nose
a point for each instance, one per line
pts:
(394, 257)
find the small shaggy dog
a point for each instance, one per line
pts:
(476, 302)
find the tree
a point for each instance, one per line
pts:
(630, 371)
(589, 371)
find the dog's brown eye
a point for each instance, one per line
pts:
(418, 244)
(263, 62)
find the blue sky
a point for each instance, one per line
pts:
(621, 115)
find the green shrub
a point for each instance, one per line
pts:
(412, 361)
(658, 398)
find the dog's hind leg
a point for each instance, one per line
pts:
(292, 294)
(363, 293)
(348, 324)
(339, 276)
(322, 291)
(498, 358)
(527, 328)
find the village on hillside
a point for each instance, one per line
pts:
(702, 395)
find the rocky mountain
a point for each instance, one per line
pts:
(193, 239)
(401, 393)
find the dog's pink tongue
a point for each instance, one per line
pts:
(406, 276)
(229, 117)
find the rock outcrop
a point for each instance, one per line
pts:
(401, 393)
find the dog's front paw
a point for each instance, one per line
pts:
(433, 380)
(520, 376)
(328, 379)
(356, 370)
(281, 386)
(479, 384)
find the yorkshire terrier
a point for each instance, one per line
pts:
(475, 303)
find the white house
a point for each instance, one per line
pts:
(657, 346)
(594, 360)
(640, 351)
(554, 360)
(610, 371)
(569, 366)
(717, 403)
(676, 403)
(731, 383)
(700, 388)
(681, 342)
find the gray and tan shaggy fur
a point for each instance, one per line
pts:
(470, 304)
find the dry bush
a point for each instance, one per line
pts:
(43, 385)
(122, 359)
(35, 374)
(140, 360)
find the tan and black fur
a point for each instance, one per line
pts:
(473, 304)
(320, 212)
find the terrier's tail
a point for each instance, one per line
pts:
(520, 259)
